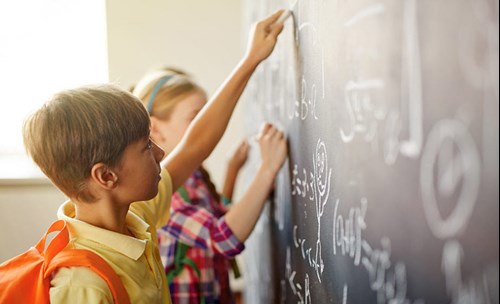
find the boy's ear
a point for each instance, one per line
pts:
(103, 176)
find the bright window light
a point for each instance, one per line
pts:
(45, 46)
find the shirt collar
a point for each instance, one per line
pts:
(133, 247)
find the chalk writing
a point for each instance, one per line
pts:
(344, 295)
(388, 281)
(473, 291)
(374, 122)
(302, 293)
(451, 147)
(316, 189)
(360, 109)
(314, 92)
(347, 236)
(410, 109)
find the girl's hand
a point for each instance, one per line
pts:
(263, 37)
(273, 148)
(239, 156)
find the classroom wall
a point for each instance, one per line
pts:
(202, 37)
(26, 210)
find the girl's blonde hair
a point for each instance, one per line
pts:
(78, 128)
(178, 85)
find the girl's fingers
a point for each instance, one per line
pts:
(271, 19)
(263, 130)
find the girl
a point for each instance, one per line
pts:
(202, 235)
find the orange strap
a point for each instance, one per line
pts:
(86, 258)
(56, 257)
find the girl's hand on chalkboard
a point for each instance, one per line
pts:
(239, 156)
(263, 37)
(273, 148)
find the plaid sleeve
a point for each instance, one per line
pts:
(196, 227)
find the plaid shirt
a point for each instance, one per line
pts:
(201, 225)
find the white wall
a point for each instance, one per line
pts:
(203, 37)
(26, 211)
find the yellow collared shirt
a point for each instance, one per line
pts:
(135, 260)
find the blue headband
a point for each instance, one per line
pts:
(160, 83)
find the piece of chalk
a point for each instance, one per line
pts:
(287, 13)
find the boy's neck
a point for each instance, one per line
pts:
(104, 215)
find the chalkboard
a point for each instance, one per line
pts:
(390, 193)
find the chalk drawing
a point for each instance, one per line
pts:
(464, 164)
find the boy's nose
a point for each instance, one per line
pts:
(159, 153)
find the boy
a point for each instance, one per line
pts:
(93, 143)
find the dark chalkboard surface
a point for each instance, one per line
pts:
(390, 193)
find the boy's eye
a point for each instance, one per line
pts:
(149, 145)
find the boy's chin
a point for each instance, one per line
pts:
(152, 195)
(154, 192)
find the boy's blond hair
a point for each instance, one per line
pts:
(79, 128)
(174, 90)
